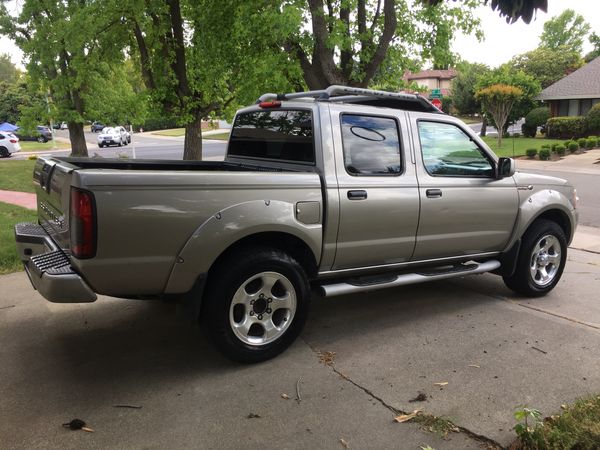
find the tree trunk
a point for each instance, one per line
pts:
(192, 147)
(77, 137)
(483, 130)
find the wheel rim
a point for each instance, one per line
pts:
(262, 309)
(545, 260)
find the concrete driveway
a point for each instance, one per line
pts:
(495, 350)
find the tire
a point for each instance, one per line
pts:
(4, 153)
(238, 312)
(541, 259)
(120, 144)
(41, 139)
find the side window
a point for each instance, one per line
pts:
(1, 136)
(371, 145)
(448, 151)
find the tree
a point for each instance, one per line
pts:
(464, 87)
(333, 47)
(566, 31)
(528, 85)
(595, 41)
(511, 10)
(498, 100)
(547, 65)
(8, 72)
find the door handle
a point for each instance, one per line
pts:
(433, 193)
(357, 195)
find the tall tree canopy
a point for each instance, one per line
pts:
(8, 71)
(464, 87)
(566, 31)
(547, 65)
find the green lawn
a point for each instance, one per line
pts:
(16, 175)
(32, 146)
(9, 216)
(177, 132)
(520, 145)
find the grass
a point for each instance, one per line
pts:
(578, 426)
(32, 146)
(16, 175)
(521, 144)
(10, 215)
(177, 132)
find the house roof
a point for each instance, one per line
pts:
(583, 83)
(441, 74)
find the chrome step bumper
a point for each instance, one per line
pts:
(49, 268)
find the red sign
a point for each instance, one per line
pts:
(437, 103)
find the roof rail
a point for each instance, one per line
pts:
(329, 94)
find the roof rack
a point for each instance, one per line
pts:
(398, 100)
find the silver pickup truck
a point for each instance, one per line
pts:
(341, 190)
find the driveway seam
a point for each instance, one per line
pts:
(471, 434)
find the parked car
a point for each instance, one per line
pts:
(113, 136)
(60, 126)
(42, 134)
(9, 144)
(344, 190)
(97, 127)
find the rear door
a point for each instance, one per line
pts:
(464, 209)
(378, 193)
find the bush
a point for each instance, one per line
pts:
(582, 142)
(566, 127)
(534, 119)
(592, 142)
(553, 146)
(546, 146)
(531, 152)
(528, 130)
(544, 154)
(516, 135)
(573, 146)
(593, 118)
(560, 150)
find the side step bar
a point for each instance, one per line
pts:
(351, 287)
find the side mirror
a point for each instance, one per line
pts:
(505, 168)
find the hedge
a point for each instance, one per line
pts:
(593, 119)
(566, 127)
(535, 118)
(544, 154)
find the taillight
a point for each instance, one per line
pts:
(13, 141)
(82, 222)
(273, 104)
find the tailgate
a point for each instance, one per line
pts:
(52, 178)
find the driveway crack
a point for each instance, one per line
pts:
(490, 443)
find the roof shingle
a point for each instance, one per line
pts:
(583, 83)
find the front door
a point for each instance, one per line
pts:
(464, 208)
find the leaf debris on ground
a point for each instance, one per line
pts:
(78, 424)
(254, 416)
(327, 358)
(128, 406)
(441, 384)
(419, 398)
(344, 443)
(475, 365)
(285, 396)
(406, 417)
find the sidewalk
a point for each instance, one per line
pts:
(23, 199)
(587, 162)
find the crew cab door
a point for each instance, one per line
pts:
(464, 208)
(378, 193)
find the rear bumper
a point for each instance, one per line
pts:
(49, 268)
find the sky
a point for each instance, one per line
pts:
(502, 41)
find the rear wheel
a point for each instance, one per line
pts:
(541, 259)
(4, 153)
(256, 304)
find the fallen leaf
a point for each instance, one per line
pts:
(253, 416)
(285, 396)
(474, 365)
(326, 358)
(441, 383)
(406, 417)
(344, 443)
(419, 398)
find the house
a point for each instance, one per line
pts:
(576, 93)
(433, 79)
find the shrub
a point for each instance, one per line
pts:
(553, 146)
(573, 146)
(544, 154)
(534, 119)
(546, 146)
(531, 152)
(560, 150)
(516, 135)
(566, 127)
(592, 142)
(593, 118)
(582, 142)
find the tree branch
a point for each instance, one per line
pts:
(389, 29)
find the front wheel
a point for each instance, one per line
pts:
(541, 260)
(256, 304)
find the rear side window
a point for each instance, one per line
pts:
(280, 135)
(371, 145)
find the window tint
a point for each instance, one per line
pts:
(448, 151)
(1, 136)
(283, 135)
(371, 145)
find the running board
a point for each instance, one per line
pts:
(331, 290)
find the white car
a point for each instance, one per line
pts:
(113, 136)
(9, 144)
